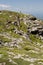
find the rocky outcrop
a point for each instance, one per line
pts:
(32, 18)
(36, 30)
(35, 27)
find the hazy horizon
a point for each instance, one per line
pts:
(34, 7)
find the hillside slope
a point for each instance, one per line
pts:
(21, 39)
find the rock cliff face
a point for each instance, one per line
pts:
(21, 39)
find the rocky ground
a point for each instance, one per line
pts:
(21, 39)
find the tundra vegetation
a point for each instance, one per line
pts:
(21, 39)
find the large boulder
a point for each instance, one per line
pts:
(32, 18)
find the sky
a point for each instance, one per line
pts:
(26, 6)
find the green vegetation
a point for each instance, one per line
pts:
(27, 50)
(23, 27)
(3, 39)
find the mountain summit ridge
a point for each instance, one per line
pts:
(21, 39)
